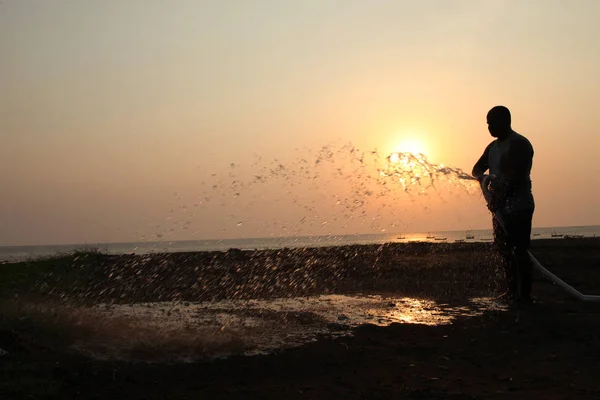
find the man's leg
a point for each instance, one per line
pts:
(504, 249)
(521, 237)
(525, 273)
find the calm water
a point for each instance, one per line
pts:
(9, 253)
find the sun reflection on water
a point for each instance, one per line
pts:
(192, 331)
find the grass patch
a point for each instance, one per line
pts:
(43, 276)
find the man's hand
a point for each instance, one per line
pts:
(494, 191)
(480, 177)
(490, 195)
(493, 204)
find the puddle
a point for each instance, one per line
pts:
(193, 331)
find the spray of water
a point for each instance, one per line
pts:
(415, 171)
(333, 186)
(331, 190)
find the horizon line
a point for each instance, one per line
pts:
(277, 237)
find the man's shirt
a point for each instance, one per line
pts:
(511, 160)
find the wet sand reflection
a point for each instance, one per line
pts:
(195, 331)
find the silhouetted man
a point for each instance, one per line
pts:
(509, 159)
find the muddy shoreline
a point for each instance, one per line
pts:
(549, 350)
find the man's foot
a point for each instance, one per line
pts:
(520, 302)
(514, 300)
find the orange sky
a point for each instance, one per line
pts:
(114, 113)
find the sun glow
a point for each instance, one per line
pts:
(412, 145)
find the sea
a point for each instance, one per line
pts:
(19, 253)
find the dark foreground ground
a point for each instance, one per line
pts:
(547, 351)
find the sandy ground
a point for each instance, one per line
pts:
(548, 350)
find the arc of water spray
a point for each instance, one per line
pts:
(415, 169)
(546, 273)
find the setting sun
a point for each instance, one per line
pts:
(412, 145)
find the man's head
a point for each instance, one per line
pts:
(498, 120)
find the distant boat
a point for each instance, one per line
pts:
(469, 236)
(459, 241)
(557, 235)
(573, 236)
(401, 237)
(435, 238)
(536, 234)
(429, 236)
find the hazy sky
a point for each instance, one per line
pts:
(120, 119)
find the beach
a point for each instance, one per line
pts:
(54, 336)
(298, 200)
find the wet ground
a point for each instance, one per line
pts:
(417, 325)
(225, 328)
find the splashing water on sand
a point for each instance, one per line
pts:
(324, 188)
(185, 332)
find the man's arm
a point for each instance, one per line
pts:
(482, 164)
